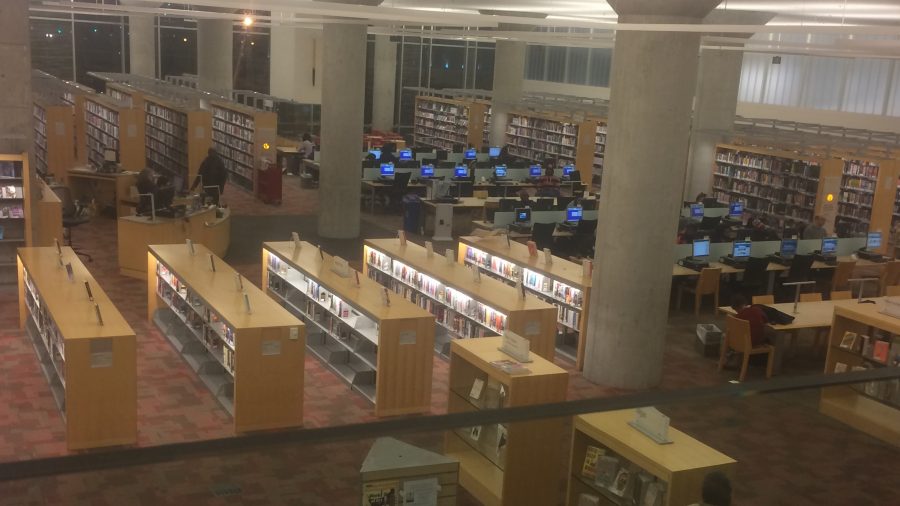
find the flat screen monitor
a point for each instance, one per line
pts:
(387, 169)
(736, 210)
(788, 248)
(740, 249)
(493, 152)
(470, 154)
(406, 154)
(461, 171)
(500, 171)
(701, 248)
(696, 210)
(534, 171)
(829, 245)
(573, 214)
(523, 215)
(427, 170)
(873, 240)
(568, 170)
(376, 153)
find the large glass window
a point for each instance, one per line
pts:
(600, 66)
(534, 62)
(177, 51)
(556, 64)
(98, 48)
(51, 46)
(577, 65)
(484, 68)
(447, 66)
(251, 60)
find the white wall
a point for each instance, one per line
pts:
(296, 53)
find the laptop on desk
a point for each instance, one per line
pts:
(740, 254)
(786, 253)
(699, 258)
(573, 216)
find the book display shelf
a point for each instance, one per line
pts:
(251, 358)
(613, 463)
(112, 124)
(15, 212)
(178, 139)
(245, 138)
(54, 136)
(86, 349)
(504, 464)
(560, 284)
(383, 351)
(449, 124)
(863, 337)
(538, 137)
(779, 185)
(462, 307)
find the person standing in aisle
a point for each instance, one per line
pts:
(212, 173)
(307, 148)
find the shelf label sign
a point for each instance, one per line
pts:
(516, 346)
(270, 348)
(408, 337)
(101, 353)
(652, 424)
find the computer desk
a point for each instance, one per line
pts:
(111, 190)
(374, 186)
(486, 225)
(472, 206)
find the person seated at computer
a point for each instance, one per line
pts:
(700, 198)
(388, 153)
(147, 184)
(816, 229)
(524, 198)
(548, 184)
(212, 172)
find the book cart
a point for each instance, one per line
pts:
(251, 359)
(85, 348)
(462, 307)
(384, 352)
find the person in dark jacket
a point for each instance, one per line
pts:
(212, 173)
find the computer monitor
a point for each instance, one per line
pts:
(573, 214)
(461, 171)
(740, 249)
(387, 169)
(470, 154)
(788, 248)
(493, 152)
(736, 210)
(427, 170)
(701, 248)
(829, 245)
(534, 171)
(376, 153)
(499, 171)
(696, 210)
(873, 241)
(523, 215)
(406, 154)
(568, 170)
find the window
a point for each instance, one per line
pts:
(177, 51)
(98, 48)
(577, 65)
(51, 47)
(251, 60)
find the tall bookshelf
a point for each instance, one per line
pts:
(252, 359)
(245, 137)
(383, 351)
(54, 135)
(90, 364)
(15, 212)
(536, 137)
(512, 463)
(462, 308)
(486, 127)
(859, 179)
(895, 217)
(449, 124)
(177, 139)
(560, 284)
(778, 185)
(111, 124)
(599, 149)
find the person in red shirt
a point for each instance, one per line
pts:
(755, 315)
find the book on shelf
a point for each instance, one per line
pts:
(623, 482)
(867, 346)
(607, 469)
(589, 467)
(475, 433)
(477, 388)
(381, 493)
(848, 341)
(11, 192)
(880, 351)
(642, 483)
(511, 367)
(654, 496)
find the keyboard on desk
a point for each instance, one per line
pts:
(521, 228)
(778, 259)
(825, 259)
(739, 262)
(694, 263)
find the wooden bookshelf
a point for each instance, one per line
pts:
(54, 136)
(873, 408)
(91, 366)
(449, 124)
(674, 472)
(246, 138)
(251, 361)
(536, 137)
(523, 471)
(178, 139)
(486, 126)
(383, 352)
(51, 89)
(15, 211)
(111, 124)
(560, 284)
(462, 308)
(126, 94)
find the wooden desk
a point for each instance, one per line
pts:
(136, 233)
(110, 190)
(373, 187)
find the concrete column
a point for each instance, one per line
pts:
(15, 77)
(509, 72)
(215, 45)
(652, 88)
(343, 100)
(384, 83)
(142, 44)
(296, 64)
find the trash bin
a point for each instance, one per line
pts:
(412, 213)
(709, 338)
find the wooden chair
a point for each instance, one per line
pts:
(707, 284)
(811, 297)
(842, 273)
(892, 291)
(763, 299)
(737, 338)
(890, 276)
(841, 295)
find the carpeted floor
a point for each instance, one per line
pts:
(788, 453)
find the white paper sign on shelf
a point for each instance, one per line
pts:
(653, 424)
(533, 328)
(421, 492)
(341, 267)
(476, 274)
(548, 256)
(516, 346)
(101, 353)
(295, 333)
(520, 287)
(451, 257)
(407, 337)
(429, 249)
(296, 238)
(270, 348)
(401, 234)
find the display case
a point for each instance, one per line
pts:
(463, 308)
(504, 464)
(245, 138)
(243, 346)
(85, 348)
(382, 347)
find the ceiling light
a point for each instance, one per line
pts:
(248, 21)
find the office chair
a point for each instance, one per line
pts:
(563, 202)
(763, 299)
(575, 176)
(737, 338)
(542, 235)
(466, 188)
(585, 238)
(73, 215)
(800, 270)
(544, 204)
(398, 189)
(755, 276)
(589, 204)
(508, 205)
(842, 273)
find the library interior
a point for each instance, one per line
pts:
(659, 238)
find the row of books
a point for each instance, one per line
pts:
(236, 118)
(12, 211)
(98, 111)
(109, 129)
(233, 130)
(177, 133)
(46, 326)
(864, 199)
(10, 169)
(856, 184)
(557, 290)
(237, 144)
(536, 151)
(861, 169)
(441, 107)
(569, 317)
(452, 119)
(120, 95)
(880, 347)
(539, 135)
(422, 125)
(544, 124)
(207, 314)
(451, 320)
(799, 168)
(612, 474)
(172, 117)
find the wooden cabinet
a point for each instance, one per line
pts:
(245, 348)
(504, 464)
(462, 307)
(383, 351)
(86, 349)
